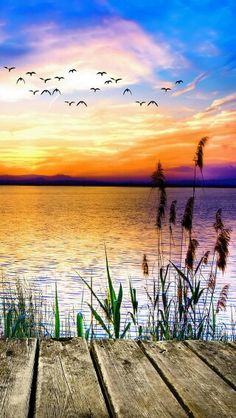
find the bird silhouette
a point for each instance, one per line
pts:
(101, 72)
(30, 73)
(165, 88)
(45, 79)
(178, 81)
(127, 91)
(20, 79)
(10, 68)
(95, 89)
(46, 91)
(116, 79)
(59, 78)
(69, 103)
(56, 91)
(153, 102)
(108, 81)
(73, 70)
(140, 103)
(82, 102)
(34, 91)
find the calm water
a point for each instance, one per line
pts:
(49, 233)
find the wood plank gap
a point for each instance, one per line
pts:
(212, 367)
(101, 382)
(167, 382)
(34, 382)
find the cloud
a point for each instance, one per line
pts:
(192, 85)
(224, 101)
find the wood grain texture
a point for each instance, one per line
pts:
(67, 385)
(16, 374)
(220, 356)
(200, 388)
(133, 387)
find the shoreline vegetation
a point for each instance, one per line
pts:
(181, 301)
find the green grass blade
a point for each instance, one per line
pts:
(80, 325)
(100, 320)
(56, 315)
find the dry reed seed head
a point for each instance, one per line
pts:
(199, 152)
(206, 257)
(218, 225)
(191, 253)
(158, 177)
(161, 208)
(222, 248)
(187, 221)
(211, 281)
(221, 304)
(145, 266)
(172, 217)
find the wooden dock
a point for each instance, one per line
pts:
(128, 379)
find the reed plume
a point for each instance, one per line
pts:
(211, 282)
(199, 152)
(221, 303)
(191, 253)
(187, 221)
(172, 217)
(158, 179)
(206, 257)
(218, 224)
(222, 248)
(145, 267)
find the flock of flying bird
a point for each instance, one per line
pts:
(94, 89)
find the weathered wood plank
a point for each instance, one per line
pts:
(16, 375)
(67, 384)
(218, 355)
(200, 388)
(132, 385)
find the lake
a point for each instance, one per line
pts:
(48, 234)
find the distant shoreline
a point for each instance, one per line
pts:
(176, 186)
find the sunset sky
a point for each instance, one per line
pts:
(149, 44)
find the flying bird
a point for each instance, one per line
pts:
(153, 102)
(20, 79)
(73, 70)
(82, 102)
(30, 73)
(165, 88)
(178, 81)
(45, 79)
(10, 68)
(56, 91)
(34, 91)
(116, 79)
(95, 89)
(101, 72)
(59, 78)
(69, 103)
(127, 91)
(46, 91)
(140, 103)
(108, 81)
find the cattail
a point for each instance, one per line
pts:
(218, 225)
(187, 221)
(145, 266)
(222, 248)
(211, 281)
(172, 217)
(190, 257)
(199, 152)
(206, 257)
(221, 304)
(180, 292)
